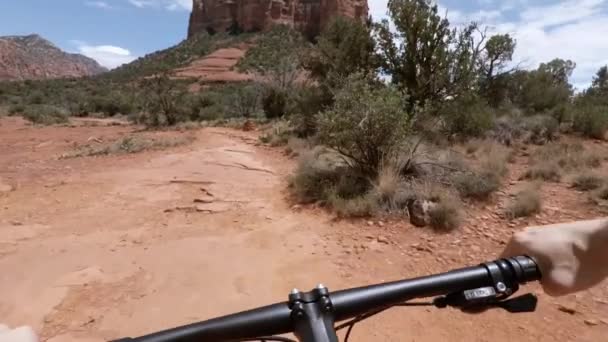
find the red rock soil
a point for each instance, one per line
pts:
(218, 66)
(105, 247)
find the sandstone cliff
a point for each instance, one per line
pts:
(307, 16)
(32, 57)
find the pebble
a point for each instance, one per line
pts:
(380, 223)
(370, 223)
(296, 207)
(383, 239)
(16, 223)
(592, 322)
(567, 309)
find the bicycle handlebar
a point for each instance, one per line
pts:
(504, 275)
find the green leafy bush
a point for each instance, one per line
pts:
(45, 114)
(366, 124)
(591, 121)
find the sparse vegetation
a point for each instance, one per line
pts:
(476, 186)
(546, 171)
(129, 144)
(526, 202)
(588, 181)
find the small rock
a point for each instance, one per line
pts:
(512, 224)
(488, 235)
(206, 199)
(419, 212)
(592, 322)
(383, 239)
(5, 187)
(370, 223)
(567, 309)
(601, 301)
(380, 223)
(370, 237)
(604, 321)
(296, 207)
(456, 242)
(16, 223)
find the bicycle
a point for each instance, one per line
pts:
(312, 316)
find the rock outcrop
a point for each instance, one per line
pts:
(33, 57)
(307, 16)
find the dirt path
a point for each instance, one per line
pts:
(100, 248)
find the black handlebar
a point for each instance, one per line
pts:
(503, 276)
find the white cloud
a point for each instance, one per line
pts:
(99, 4)
(108, 56)
(172, 5)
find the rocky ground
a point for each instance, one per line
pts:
(98, 248)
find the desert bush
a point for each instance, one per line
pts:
(591, 121)
(468, 117)
(494, 159)
(360, 206)
(601, 194)
(541, 129)
(274, 103)
(446, 215)
(526, 203)
(568, 156)
(314, 176)
(366, 124)
(277, 135)
(587, 181)
(477, 186)
(45, 114)
(16, 109)
(547, 171)
(304, 105)
(387, 184)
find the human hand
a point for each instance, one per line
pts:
(572, 257)
(21, 334)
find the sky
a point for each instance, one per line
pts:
(114, 32)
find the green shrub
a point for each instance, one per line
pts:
(366, 124)
(468, 117)
(526, 203)
(587, 181)
(567, 156)
(591, 121)
(16, 109)
(476, 186)
(45, 114)
(541, 128)
(130, 144)
(304, 105)
(274, 103)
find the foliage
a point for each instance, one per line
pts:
(476, 186)
(360, 206)
(367, 125)
(587, 181)
(425, 57)
(468, 116)
(344, 47)
(276, 57)
(304, 105)
(162, 99)
(546, 171)
(43, 114)
(591, 120)
(274, 103)
(541, 128)
(526, 203)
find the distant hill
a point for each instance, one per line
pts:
(33, 57)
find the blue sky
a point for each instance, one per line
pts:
(117, 31)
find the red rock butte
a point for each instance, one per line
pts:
(307, 16)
